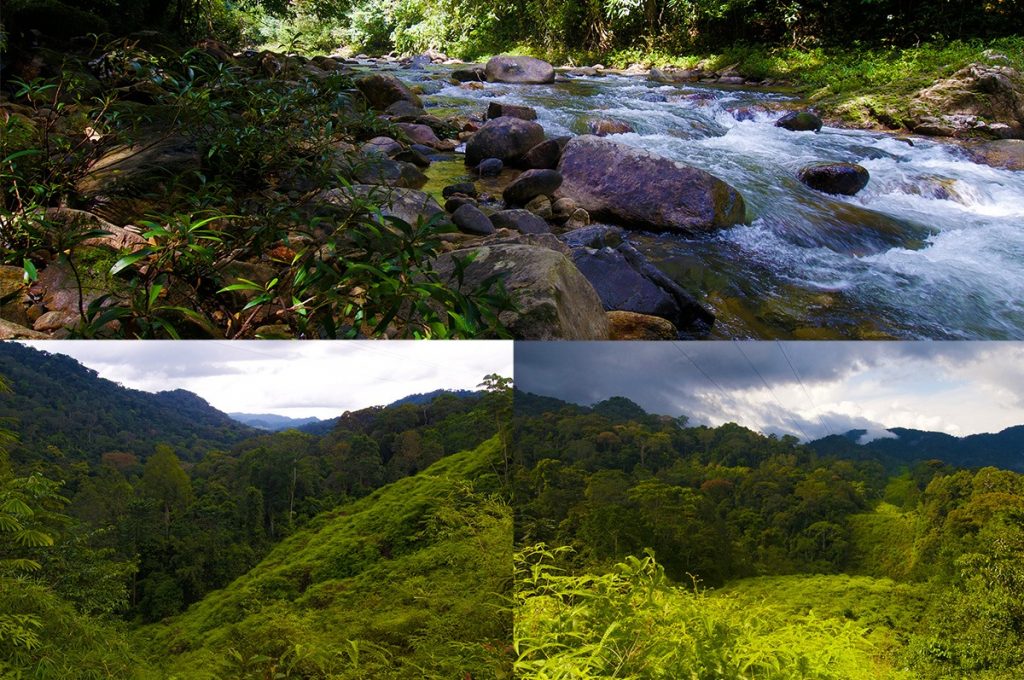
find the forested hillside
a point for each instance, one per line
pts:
(411, 581)
(94, 548)
(835, 566)
(62, 411)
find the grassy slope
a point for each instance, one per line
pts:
(886, 610)
(409, 582)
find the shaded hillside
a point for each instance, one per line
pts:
(1003, 449)
(410, 581)
(61, 409)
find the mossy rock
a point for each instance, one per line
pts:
(17, 131)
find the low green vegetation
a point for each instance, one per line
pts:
(222, 171)
(633, 622)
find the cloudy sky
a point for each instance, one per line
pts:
(296, 379)
(801, 388)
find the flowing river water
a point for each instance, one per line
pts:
(932, 248)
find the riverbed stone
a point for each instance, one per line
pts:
(594, 236)
(13, 331)
(420, 134)
(469, 75)
(519, 69)
(521, 220)
(381, 146)
(625, 280)
(835, 178)
(1004, 153)
(800, 121)
(578, 219)
(554, 301)
(541, 207)
(636, 188)
(506, 139)
(602, 127)
(404, 109)
(673, 75)
(471, 220)
(490, 167)
(563, 207)
(382, 170)
(531, 184)
(464, 188)
(497, 110)
(413, 156)
(974, 97)
(634, 326)
(457, 201)
(382, 90)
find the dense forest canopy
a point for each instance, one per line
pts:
(471, 28)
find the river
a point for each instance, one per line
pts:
(932, 248)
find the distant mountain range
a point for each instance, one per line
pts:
(273, 422)
(1003, 449)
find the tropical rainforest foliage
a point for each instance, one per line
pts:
(474, 27)
(772, 560)
(305, 534)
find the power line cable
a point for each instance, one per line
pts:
(821, 418)
(702, 371)
(770, 391)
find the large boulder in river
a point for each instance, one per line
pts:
(835, 178)
(800, 121)
(637, 188)
(382, 90)
(554, 301)
(626, 281)
(508, 69)
(506, 139)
